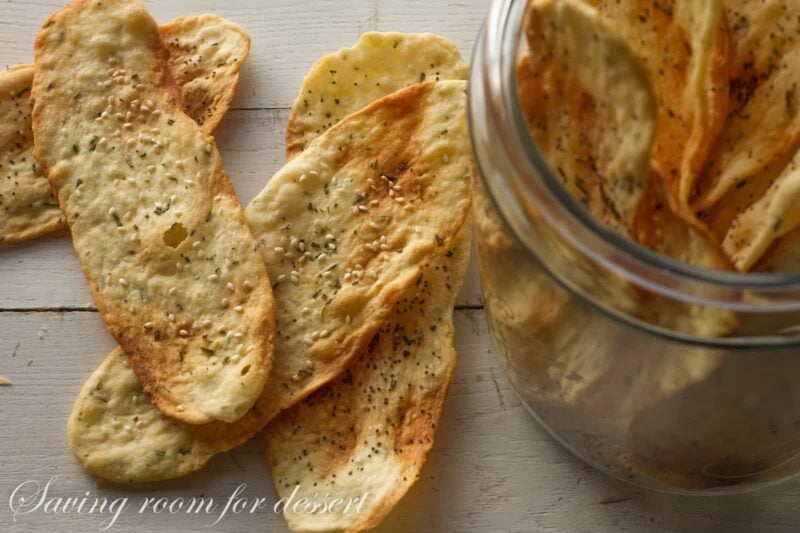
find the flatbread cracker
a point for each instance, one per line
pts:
(170, 260)
(378, 64)
(27, 206)
(117, 434)
(763, 125)
(206, 54)
(590, 109)
(685, 48)
(365, 436)
(344, 229)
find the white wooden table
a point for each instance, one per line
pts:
(492, 469)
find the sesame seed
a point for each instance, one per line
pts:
(230, 286)
(248, 285)
(123, 282)
(330, 237)
(188, 182)
(148, 325)
(362, 208)
(171, 317)
(213, 277)
(356, 210)
(324, 333)
(183, 333)
(171, 292)
(238, 308)
(225, 302)
(179, 408)
(348, 319)
(446, 158)
(282, 277)
(280, 250)
(302, 178)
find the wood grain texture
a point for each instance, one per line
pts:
(492, 468)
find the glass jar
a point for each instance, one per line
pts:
(662, 374)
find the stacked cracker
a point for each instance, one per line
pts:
(332, 293)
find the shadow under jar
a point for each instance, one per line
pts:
(658, 373)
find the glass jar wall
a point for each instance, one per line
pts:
(672, 377)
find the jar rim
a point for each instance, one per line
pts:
(778, 292)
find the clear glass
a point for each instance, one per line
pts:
(659, 373)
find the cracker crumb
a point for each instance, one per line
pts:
(4, 382)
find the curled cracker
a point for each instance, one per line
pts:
(685, 48)
(763, 126)
(589, 107)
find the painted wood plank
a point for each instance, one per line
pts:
(492, 468)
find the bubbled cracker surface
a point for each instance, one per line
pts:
(171, 263)
(27, 206)
(378, 64)
(320, 235)
(369, 431)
